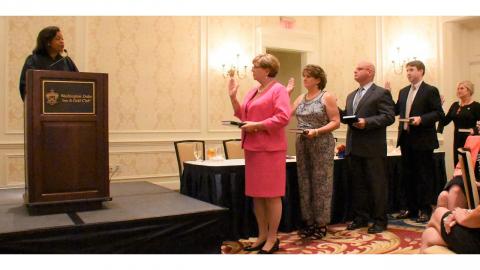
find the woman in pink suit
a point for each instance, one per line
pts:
(266, 111)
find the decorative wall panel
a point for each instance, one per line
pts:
(154, 70)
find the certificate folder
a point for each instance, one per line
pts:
(233, 123)
(350, 119)
(298, 131)
(465, 130)
(405, 120)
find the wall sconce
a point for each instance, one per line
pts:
(399, 63)
(234, 70)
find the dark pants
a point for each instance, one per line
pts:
(461, 239)
(417, 182)
(369, 189)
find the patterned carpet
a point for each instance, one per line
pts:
(402, 237)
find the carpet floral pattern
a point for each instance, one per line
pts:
(402, 237)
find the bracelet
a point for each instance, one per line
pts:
(445, 219)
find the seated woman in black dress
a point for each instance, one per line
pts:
(47, 55)
(464, 113)
(458, 230)
(453, 194)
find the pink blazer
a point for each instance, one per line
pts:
(272, 108)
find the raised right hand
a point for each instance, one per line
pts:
(388, 86)
(290, 86)
(232, 87)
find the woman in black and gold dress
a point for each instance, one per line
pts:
(464, 113)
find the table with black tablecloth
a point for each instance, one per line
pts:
(223, 183)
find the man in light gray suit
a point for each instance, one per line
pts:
(366, 148)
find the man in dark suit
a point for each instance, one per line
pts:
(419, 107)
(366, 148)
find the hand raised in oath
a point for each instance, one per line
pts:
(290, 86)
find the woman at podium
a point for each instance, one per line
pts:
(47, 55)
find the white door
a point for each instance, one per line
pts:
(290, 66)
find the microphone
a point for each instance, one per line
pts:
(59, 60)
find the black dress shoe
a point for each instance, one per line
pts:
(274, 248)
(404, 214)
(377, 228)
(355, 225)
(423, 218)
(255, 248)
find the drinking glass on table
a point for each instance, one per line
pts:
(197, 152)
(219, 153)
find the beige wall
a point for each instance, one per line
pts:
(165, 73)
(154, 71)
(343, 42)
(165, 83)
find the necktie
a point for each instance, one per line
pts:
(410, 98)
(357, 99)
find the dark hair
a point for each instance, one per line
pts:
(44, 38)
(267, 61)
(318, 73)
(418, 64)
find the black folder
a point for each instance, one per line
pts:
(406, 120)
(233, 123)
(350, 119)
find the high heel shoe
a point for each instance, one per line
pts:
(306, 232)
(274, 248)
(319, 232)
(251, 248)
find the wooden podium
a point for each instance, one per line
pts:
(66, 141)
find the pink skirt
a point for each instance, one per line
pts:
(265, 173)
